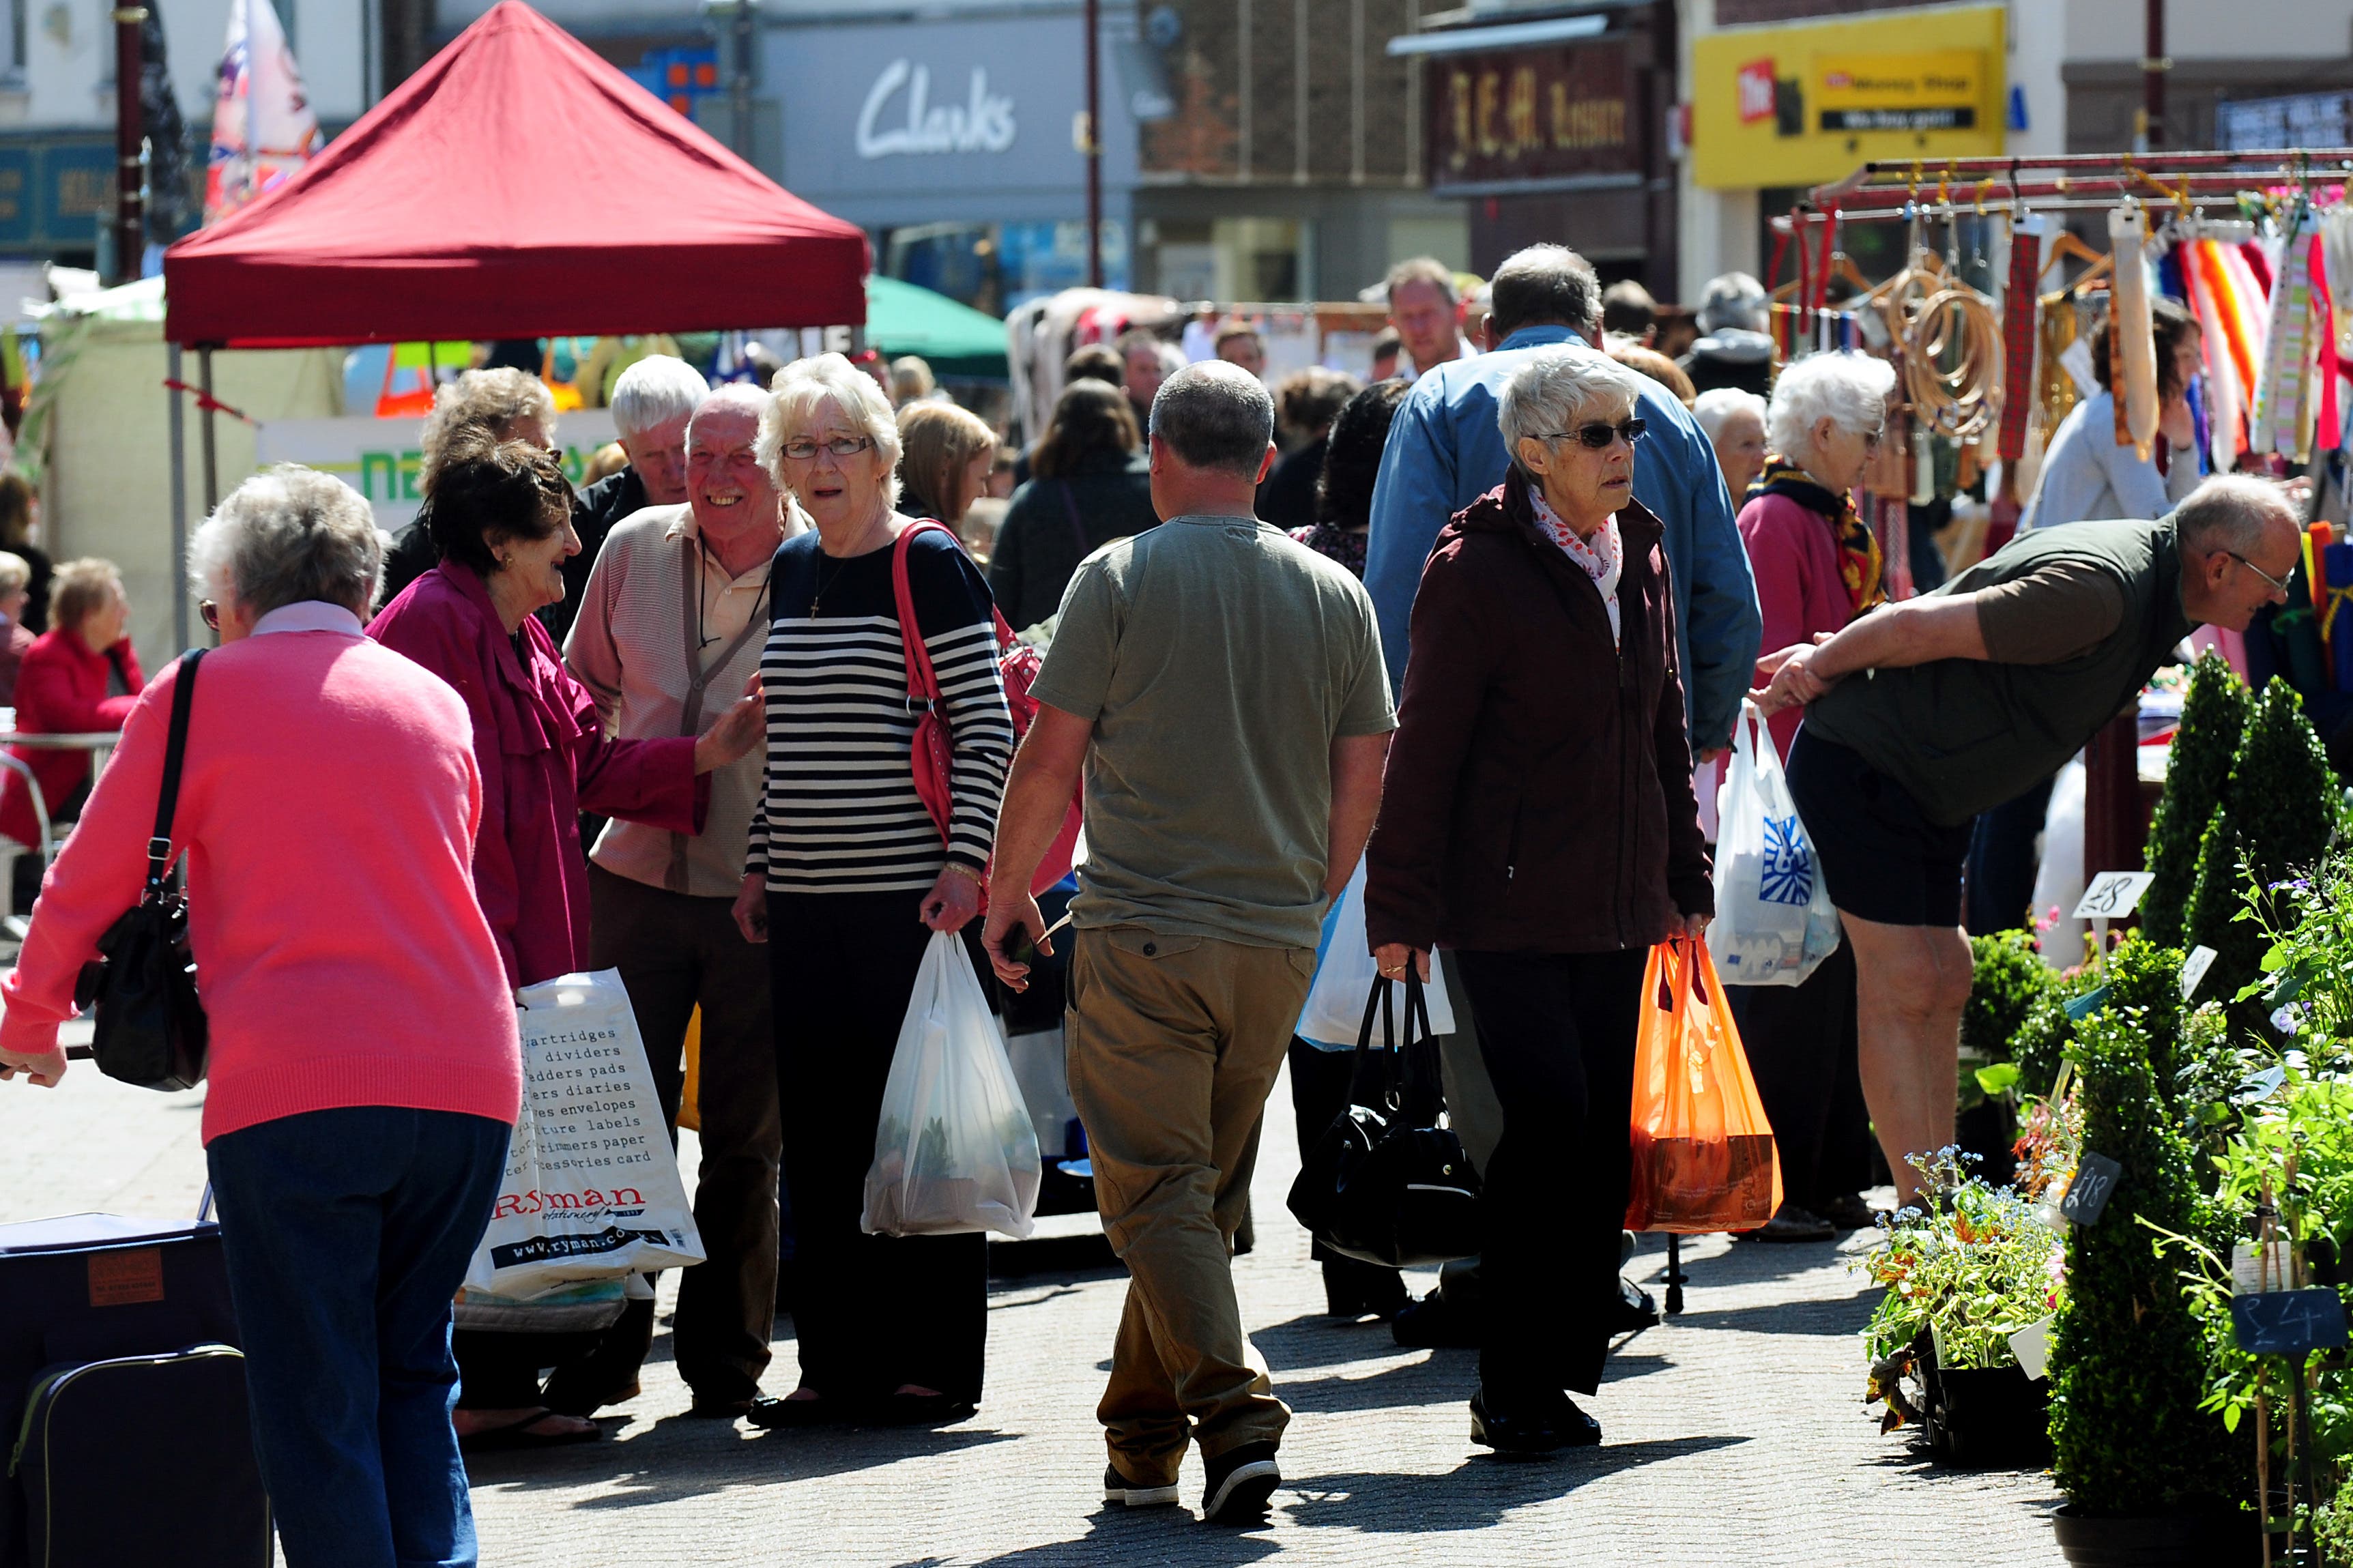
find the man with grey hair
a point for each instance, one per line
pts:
(652, 400)
(1426, 310)
(1976, 691)
(669, 631)
(1221, 688)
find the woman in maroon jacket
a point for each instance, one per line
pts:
(81, 677)
(501, 519)
(1538, 818)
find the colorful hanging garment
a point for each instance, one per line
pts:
(2279, 391)
(2018, 333)
(2134, 332)
(2209, 303)
(2249, 312)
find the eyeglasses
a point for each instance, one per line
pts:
(1597, 436)
(840, 446)
(2259, 571)
(211, 612)
(1871, 442)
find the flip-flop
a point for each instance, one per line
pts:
(517, 1435)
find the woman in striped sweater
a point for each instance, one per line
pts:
(848, 876)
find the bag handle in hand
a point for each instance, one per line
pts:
(159, 848)
(1371, 1065)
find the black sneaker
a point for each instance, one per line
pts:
(1118, 1488)
(1546, 1427)
(1242, 1481)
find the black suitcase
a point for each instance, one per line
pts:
(88, 1289)
(141, 1459)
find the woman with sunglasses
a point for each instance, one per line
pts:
(1538, 818)
(1817, 566)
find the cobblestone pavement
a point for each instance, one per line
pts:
(1733, 1431)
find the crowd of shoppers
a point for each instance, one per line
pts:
(1583, 554)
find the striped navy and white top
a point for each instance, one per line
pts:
(839, 813)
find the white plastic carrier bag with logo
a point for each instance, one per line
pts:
(1774, 920)
(591, 1189)
(954, 1148)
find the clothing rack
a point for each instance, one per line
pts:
(1903, 188)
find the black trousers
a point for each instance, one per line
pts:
(871, 1312)
(1802, 1045)
(1556, 1034)
(1319, 1093)
(2002, 862)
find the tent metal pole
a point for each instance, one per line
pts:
(179, 504)
(212, 461)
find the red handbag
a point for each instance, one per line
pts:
(1017, 664)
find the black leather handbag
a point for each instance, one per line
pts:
(1387, 1183)
(150, 1028)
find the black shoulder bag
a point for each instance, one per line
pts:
(1386, 1183)
(149, 1026)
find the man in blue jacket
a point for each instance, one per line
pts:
(1445, 451)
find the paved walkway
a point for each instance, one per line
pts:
(1733, 1432)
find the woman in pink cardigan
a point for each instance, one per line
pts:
(80, 676)
(501, 514)
(365, 1073)
(1817, 566)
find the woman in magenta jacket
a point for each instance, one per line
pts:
(1817, 566)
(79, 678)
(502, 517)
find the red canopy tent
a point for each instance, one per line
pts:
(516, 186)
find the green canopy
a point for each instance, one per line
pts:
(956, 340)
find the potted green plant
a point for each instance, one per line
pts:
(2213, 720)
(2146, 1466)
(1968, 1266)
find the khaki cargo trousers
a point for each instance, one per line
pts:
(1174, 1043)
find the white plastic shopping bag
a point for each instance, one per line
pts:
(1774, 920)
(1345, 975)
(591, 1189)
(955, 1150)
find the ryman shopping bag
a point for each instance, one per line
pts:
(1345, 975)
(1703, 1152)
(591, 1189)
(1774, 920)
(956, 1149)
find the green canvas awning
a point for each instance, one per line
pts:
(956, 340)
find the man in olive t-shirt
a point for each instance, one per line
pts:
(1224, 689)
(1922, 714)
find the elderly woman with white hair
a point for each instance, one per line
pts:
(848, 876)
(1538, 818)
(361, 1091)
(1734, 423)
(1817, 566)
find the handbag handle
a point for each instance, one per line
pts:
(168, 800)
(1409, 1075)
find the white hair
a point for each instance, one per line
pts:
(653, 392)
(286, 535)
(806, 385)
(1558, 390)
(1847, 386)
(739, 395)
(1717, 404)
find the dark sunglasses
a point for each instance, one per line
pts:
(1597, 436)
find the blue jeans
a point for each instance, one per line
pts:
(347, 1232)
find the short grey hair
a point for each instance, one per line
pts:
(1216, 415)
(1558, 390)
(2232, 512)
(1716, 406)
(15, 572)
(289, 534)
(1847, 386)
(490, 400)
(1733, 299)
(1544, 284)
(804, 385)
(654, 391)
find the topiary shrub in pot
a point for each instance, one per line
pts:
(2146, 1471)
(2213, 720)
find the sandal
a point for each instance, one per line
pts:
(518, 1434)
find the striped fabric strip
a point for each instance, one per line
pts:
(839, 813)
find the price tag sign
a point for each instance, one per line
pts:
(2113, 895)
(2088, 1194)
(2193, 970)
(2031, 1346)
(2289, 1322)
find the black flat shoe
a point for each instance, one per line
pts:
(1525, 1434)
(1435, 1323)
(774, 1414)
(918, 1410)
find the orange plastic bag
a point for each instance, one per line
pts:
(1703, 1152)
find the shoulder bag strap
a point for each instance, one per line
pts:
(922, 681)
(159, 848)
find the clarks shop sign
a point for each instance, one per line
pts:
(961, 119)
(902, 116)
